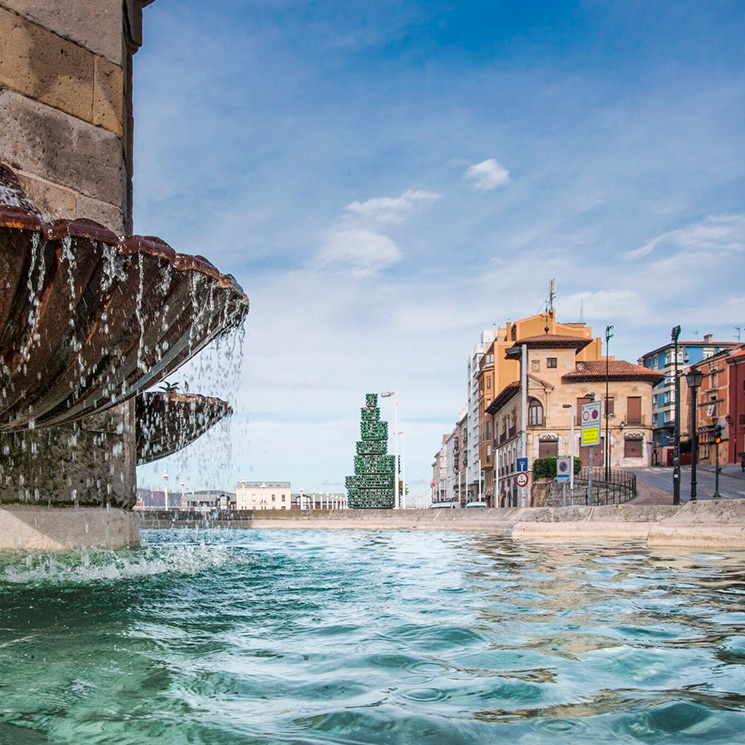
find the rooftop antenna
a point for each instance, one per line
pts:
(738, 330)
(696, 332)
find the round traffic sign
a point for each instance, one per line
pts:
(595, 413)
(586, 416)
(563, 466)
(522, 479)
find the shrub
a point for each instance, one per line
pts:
(545, 468)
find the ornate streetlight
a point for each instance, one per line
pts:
(694, 379)
(394, 395)
(674, 336)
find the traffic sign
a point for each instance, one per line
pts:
(590, 420)
(522, 465)
(563, 469)
(522, 479)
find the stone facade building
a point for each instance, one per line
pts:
(558, 383)
(496, 371)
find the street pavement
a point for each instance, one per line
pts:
(731, 481)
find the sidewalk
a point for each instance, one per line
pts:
(732, 470)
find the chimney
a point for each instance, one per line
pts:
(707, 338)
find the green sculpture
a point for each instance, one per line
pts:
(372, 485)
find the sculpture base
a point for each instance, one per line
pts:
(58, 528)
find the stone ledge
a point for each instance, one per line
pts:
(24, 527)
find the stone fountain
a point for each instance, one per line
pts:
(89, 321)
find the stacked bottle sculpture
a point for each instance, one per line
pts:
(372, 485)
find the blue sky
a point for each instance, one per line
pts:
(387, 179)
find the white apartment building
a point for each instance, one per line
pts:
(263, 495)
(473, 470)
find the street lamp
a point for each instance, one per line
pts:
(521, 350)
(165, 488)
(394, 394)
(571, 452)
(674, 336)
(403, 469)
(607, 453)
(694, 378)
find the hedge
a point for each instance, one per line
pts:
(545, 468)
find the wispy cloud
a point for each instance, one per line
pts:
(721, 233)
(362, 253)
(488, 175)
(356, 244)
(391, 209)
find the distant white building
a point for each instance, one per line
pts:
(263, 495)
(473, 468)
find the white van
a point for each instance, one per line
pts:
(476, 505)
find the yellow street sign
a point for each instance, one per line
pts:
(591, 436)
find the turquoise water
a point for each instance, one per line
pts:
(370, 637)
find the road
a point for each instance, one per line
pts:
(731, 481)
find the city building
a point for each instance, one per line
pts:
(736, 433)
(558, 383)
(496, 371)
(720, 402)
(473, 482)
(439, 474)
(662, 360)
(263, 495)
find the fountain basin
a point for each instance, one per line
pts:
(90, 319)
(168, 421)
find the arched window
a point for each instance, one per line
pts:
(535, 413)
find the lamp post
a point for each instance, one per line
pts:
(403, 469)
(694, 378)
(394, 394)
(165, 487)
(674, 336)
(608, 337)
(522, 351)
(571, 452)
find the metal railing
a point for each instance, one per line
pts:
(618, 488)
(611, 486)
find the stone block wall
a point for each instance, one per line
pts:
(66, 123)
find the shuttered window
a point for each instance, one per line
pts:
(634, 410)
(632, 448)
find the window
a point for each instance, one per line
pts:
(551, 362)
(578, 410)
(488, 381)
(610, 408)
(535, 413)
(488, 453)
(634, 410)
(488, 429)
(284, 498)
(708, 353)
(548, 448)
(632, 448)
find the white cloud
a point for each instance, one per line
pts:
(720, 233)
(391, 209)
(360, 252)
(488, 175)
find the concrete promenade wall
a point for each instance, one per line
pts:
(715, 525)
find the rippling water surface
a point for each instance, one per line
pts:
(370, 637)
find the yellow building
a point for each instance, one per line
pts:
(559, 381)
(497, 371)
(263, 495)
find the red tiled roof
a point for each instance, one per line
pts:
(503, 397)
(555, 341)
(617, 370)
